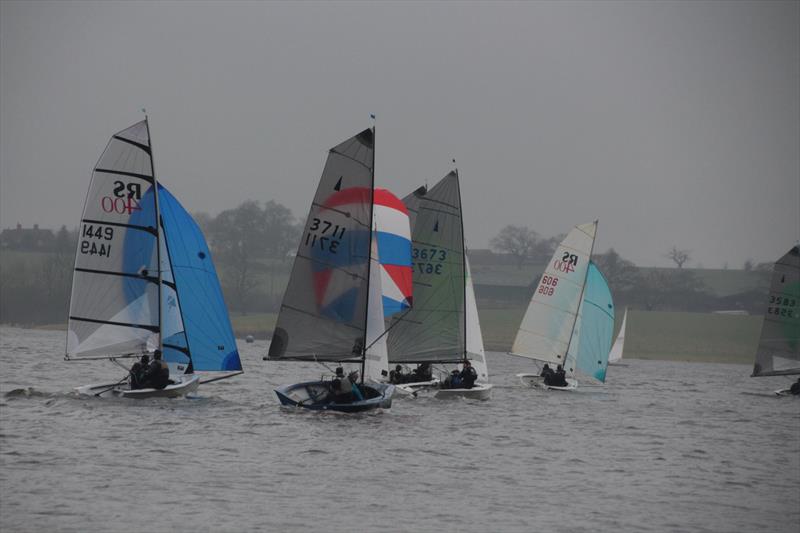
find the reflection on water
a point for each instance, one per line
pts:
(662, 447)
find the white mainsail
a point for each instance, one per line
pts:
(619, 344)
(547, 328)
(475, 351)
(114, 305)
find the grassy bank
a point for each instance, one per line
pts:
(692, 337)
(674, 336)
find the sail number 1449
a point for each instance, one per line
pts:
(92, 240)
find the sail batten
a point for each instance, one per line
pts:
(112, 323)
(145, 177)
(148, 229)
(779, 344)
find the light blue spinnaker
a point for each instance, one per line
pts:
(596, 325)
(207, 337)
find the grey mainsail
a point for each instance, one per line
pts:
(434, 329)
(779, 347)
(323, 313)
(114, 306)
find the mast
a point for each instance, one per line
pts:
(369, 256)
(158, 237)
(463, 259)
(580, 301)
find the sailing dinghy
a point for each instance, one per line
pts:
(332, 310)
(140, 285)
(548, 329)
(442, 327)
(779, 345)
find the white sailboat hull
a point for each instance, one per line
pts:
(406, 390)
(186, 384)
(481, 391)
(537, 382)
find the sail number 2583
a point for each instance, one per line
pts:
(548, 285)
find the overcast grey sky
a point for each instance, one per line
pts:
(672, 122)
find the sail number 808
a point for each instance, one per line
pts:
(548, 285)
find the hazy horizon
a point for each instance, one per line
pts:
(672, 123)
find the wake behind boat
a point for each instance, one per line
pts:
(144, 283)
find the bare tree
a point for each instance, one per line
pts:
(517, 241)
(679, 256)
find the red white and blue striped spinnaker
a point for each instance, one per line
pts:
(393, 232)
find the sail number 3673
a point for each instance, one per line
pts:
(431, 260)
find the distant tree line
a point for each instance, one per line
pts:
(643, 288)
(252, 246)
(34, 288)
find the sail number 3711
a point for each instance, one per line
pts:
(324, 235)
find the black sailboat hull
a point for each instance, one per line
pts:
(316, 396)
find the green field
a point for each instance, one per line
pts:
(704, 337)
(671, 336)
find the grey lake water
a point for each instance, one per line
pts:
(663, 446)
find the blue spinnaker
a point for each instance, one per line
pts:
(597, 325)
(209, 335)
